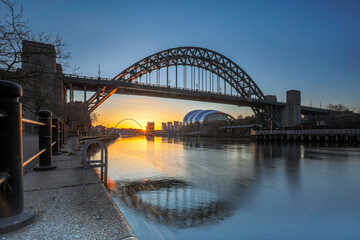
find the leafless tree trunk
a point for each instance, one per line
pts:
(14, 30)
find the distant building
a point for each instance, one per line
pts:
(170, 126)
(240, 129)
(176, 125)
(150, 126)
(163, 126)
(271, 98)
(206, 116)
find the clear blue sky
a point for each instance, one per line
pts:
(311, 46)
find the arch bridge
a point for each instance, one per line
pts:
(189, 73)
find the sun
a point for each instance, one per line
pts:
(144, 128)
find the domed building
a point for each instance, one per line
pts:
(206, 116)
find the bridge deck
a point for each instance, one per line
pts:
(153, 90)
(92, 84)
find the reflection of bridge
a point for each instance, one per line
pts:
(203, 200)
(191, 73)
(172, 202)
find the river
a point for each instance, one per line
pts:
(172, 188)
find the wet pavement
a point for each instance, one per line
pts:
(71, 202)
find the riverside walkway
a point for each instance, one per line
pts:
(71, 202)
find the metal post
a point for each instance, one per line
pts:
(61, 135)
(184, 76)
(56, 138)
(12, 215)
(191, 77)
(45, 141)
(199, 78)
(71, 93)
(202, 79)
(209, 82)
(205, 80)
(84, 93)
(176, 84)
(167, 76)
(66, 131)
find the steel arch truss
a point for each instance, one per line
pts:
(211, 61)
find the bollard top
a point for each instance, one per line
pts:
(45, 113)
(10, 89)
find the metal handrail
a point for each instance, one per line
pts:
(24, 120)
(4, 178)
(53, 143)
(33, 157)
(102, 163)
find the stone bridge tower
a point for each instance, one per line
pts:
(43, 87)
(291, 114)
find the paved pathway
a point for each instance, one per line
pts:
(72, 203)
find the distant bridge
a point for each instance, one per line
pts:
(129, 119)
(197, 74)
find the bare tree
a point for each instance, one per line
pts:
(75, 68)
(337, 107)
(240, 117)
(94, 117)
(14, 31)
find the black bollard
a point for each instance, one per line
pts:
(45, 141)
(66, 133)
(60, 135)
(56, 138)
(12, 214)
(63, 133)
(62, 141)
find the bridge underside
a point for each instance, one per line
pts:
(104, 87)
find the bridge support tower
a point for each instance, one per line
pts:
(291, 114)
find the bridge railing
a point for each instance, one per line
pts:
(52, 135)
(86, 77)
(306, 132)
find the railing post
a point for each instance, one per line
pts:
(12, 214)
(66, 132)
(45, 141)
(63, 133)
(55, 148)
(60, 134)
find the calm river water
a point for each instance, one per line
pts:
(224, 189)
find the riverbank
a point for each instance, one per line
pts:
(71, 203)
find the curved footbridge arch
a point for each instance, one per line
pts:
(129, 119)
